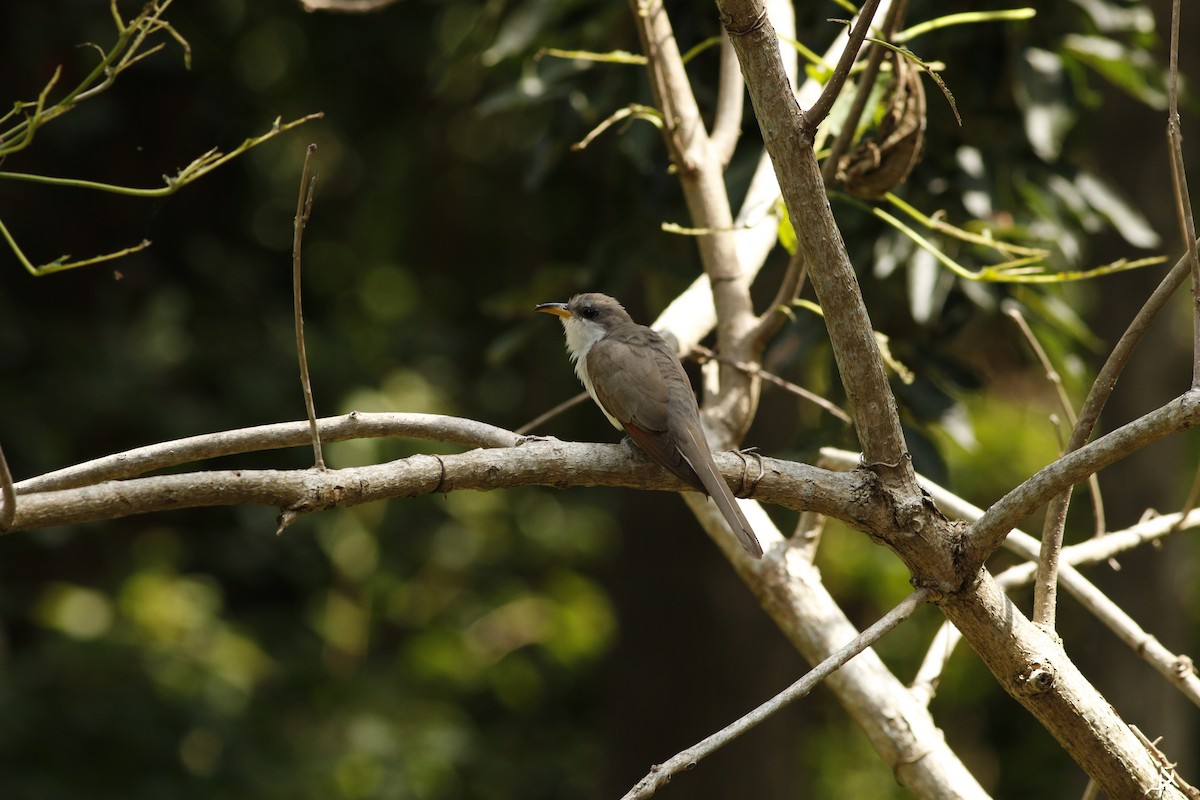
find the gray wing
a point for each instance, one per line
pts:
(635, 376)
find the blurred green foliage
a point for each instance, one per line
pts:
(524, 643)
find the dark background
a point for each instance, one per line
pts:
(525, 643)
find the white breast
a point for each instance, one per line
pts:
(581, 335)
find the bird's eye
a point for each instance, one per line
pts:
(588, 312)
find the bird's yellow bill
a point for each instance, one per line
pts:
(557, 309)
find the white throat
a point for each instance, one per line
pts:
(582, 334)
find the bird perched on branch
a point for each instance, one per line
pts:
(636, 379)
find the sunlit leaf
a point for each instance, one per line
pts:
(1131, 69)
(1041, 92)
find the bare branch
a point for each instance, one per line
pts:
(303, 211)
(780, 309)
(789, 588)
(866, 82)
(1008, 512)
(541, 419)
(531, 463)
(789, 143)
(1045, 590)
(1183, 199)
(1031, 665)
(660, 774)
(1178, 669)
(731, 94)
(704, 354)
(355, 425)
(1089, 414)
(820, 109)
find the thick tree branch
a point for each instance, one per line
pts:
(1178, 670)
(731, 94)
(536, 463)
(731, 408)
(1033, 668)
(900, 729)
(855, 349)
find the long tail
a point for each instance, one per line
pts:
(700, 457)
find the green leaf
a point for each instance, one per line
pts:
(1130, 69)
(786, 233)
(1109, 203)
(1041, 92)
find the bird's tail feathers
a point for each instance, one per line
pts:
(719, 491)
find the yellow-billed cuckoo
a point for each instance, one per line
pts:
(636, 379)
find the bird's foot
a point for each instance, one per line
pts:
(748, 485)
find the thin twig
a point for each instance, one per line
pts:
(807, 535)
(1045, 590)
(1166, 766)
(355, 425)
(537, 421)
(866, 82)
(937, 656)
(303, 211)
(1183, 200)
(1097, 397)
(820, 109)
(781, 307)
(704, 354)
(1190, 501)
(8, 495)
(661, 774)
(1183, 210)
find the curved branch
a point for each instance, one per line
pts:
(731, 94)
(355, 425)
(535, 463)
(1008, 512)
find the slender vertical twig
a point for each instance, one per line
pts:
(303, 211)
(1045, 590)
(866, 81)
(1183, 200)
(820, 109)
(1183, 210)
(8, 495)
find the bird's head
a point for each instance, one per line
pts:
(586, 319)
